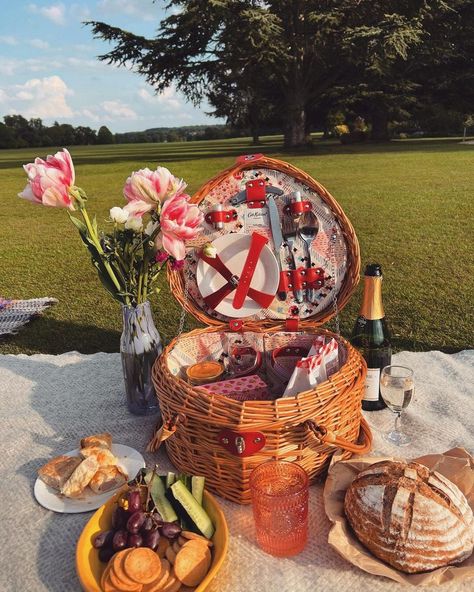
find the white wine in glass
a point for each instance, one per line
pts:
(397, 387)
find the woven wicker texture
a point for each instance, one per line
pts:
(335, 404)
(16, 313)
(346, 268)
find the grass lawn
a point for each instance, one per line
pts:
(410, 201)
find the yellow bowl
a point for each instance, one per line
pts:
(89, 568)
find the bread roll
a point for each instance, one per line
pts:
(101, 440)
(57, 471)
(107, 478)
(81, 477)
(103, 456)
(410, 517)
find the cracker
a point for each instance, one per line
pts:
(192, 563)
(142, 565)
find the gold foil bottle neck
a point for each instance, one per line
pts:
(372, 307)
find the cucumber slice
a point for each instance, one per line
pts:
(196, 513)
(197, 488)
(170, 479)
(158, 495)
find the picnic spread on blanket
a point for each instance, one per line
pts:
(261, 406)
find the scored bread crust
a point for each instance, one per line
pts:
(410, 517)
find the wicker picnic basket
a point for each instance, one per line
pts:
(225, 439)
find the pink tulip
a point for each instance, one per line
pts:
(145, 189)
(180, 221)
(50, 180)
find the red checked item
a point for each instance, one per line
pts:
(256, 246)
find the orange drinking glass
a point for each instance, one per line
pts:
(279, 491)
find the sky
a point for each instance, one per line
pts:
(49, 67)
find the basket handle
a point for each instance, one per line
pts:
(165, 430)
(327, 437)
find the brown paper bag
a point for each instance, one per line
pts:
(456, 464)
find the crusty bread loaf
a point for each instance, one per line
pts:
(410, 517)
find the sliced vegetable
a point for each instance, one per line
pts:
(197, 488)
(158, 495)
(170, 479)
(192, 508)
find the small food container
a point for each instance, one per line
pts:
(204, 373)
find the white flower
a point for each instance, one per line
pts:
(134, 223)
(150, 227)
(118, 215)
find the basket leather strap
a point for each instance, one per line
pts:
(258, 241)
(164, 430)
(213, 300)
(330, 438)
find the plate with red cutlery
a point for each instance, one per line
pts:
(242, 279)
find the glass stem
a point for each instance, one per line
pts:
(397, 420)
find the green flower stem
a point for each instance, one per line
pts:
(98, 246)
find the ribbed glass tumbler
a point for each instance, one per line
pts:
(279, 491)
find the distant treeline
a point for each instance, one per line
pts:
(18, 132)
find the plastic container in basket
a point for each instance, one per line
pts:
(225, 439)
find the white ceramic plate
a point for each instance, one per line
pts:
(232, 250)
(129, 459)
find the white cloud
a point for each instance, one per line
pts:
(8, 40)
(119, 110)
(136, 8)
(7, 66)
(38, 43)
(168, 99)
(56, 13)
(41, 97)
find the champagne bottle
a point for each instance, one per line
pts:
(371, 336)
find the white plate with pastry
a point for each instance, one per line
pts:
(85, 478)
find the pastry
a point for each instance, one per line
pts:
(410, 517)
(107, 478)
(81, 477)
(57, 471)
(103, 456)
(100, 440)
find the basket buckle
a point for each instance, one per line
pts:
(241, 444)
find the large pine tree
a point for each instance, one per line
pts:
(286, 54)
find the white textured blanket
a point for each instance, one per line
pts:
(48, 402)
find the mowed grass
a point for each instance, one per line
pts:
(411, 203)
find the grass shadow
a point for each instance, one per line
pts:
(185, 151)
(47, 335)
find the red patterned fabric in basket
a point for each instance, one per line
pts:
(243, 388)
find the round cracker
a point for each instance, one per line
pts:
(173, 584)
(170, 554)
(193, 536)
(192, 564)
(157, 585)
(118, 576)
(142, 565)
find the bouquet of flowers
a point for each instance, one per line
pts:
(148, 231)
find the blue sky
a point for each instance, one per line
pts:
(48, 67)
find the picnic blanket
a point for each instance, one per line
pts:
(16, 313)
(48, 402)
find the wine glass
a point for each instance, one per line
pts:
(397, 387)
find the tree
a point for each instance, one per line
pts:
(85, 135)
(7, 137)
(302, 47)
(105, 136)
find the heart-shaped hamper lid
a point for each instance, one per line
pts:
(335, 251)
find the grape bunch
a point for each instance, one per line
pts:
(133, 527)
